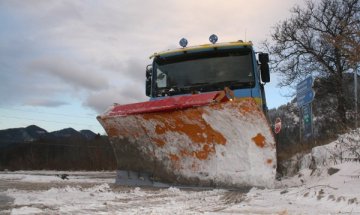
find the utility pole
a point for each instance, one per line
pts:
(355, 93)
(300, 119)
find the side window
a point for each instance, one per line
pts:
(161, 79)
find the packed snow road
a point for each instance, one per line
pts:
(328, 182)
(45, 192)
(94, 193)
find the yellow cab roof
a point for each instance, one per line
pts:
(200, 47)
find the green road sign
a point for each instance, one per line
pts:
(307, 118)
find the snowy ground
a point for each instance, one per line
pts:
(332, 188)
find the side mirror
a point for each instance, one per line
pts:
(264, 67)
(148, 81)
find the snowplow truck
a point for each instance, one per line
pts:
(205, 123)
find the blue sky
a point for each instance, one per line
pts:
(64, 62)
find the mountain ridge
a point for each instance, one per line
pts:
(34, 133)
(34, 148)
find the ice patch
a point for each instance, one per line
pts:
(137, 191)
(174, 190)
(100, 188)
(26, 210)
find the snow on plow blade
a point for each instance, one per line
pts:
(202, 140)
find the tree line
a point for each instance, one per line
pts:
(320, 39)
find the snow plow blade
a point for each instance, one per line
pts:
(199, 140)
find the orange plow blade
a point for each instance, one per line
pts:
(203, 143)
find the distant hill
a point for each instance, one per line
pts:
(66, 132)
(67, 149)
(34, 133)
(14, 136)
(88, 134)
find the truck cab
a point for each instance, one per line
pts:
(203, 125)
(208, 68)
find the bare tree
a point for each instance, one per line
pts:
(349, 44)
(316, 41)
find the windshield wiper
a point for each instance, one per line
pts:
(205, 87)
(234, 84)
(200, 86)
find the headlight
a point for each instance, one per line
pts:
(213, 38)
(183, 42)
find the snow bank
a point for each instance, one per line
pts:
(44, 176)
(345, 148)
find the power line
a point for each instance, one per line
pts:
(67, 145)
(42, 112)
(41, 120)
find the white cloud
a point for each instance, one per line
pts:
(44, 102)
(129, 93)
(70, 72)
(101, 48)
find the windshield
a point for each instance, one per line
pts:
(203, 72)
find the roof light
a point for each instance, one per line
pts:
(183, 42)
(213, 38)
